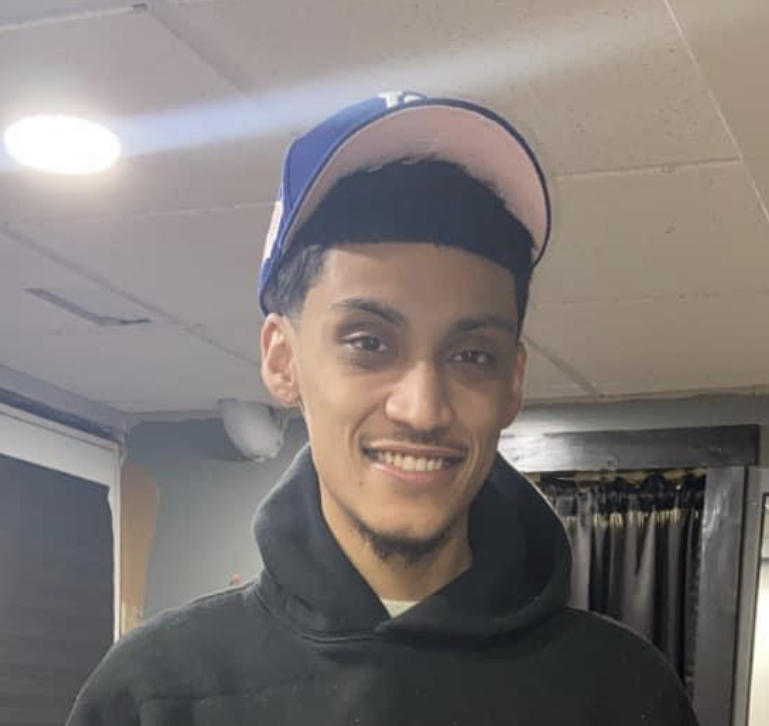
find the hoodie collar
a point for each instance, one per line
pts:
(520, 572)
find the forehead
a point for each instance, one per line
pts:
(416, 278)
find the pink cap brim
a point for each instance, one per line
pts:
(485, 148)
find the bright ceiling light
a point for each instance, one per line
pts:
(62, 144)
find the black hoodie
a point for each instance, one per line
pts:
(309, 643)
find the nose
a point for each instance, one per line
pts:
(419, 400)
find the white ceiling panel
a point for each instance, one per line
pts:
(37, 11)
(239, 337)
(599, 84)
(144, 364)
(655, 234)
(23, 269)
(730, 43)
(545, 381)
(24, 312)
(198, 267)
(93, 65)
(187, 134)
(221, 175)
(661, 346)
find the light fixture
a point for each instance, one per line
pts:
(62, 144)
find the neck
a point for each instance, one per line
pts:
(395, 578)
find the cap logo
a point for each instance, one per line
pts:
(272, 232)
(397, 98)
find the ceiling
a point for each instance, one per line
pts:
(652, 117)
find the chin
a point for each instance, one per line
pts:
(407, 543)
(409, 529)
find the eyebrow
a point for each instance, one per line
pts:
(382, 310)
(395, 316)
(486, 320)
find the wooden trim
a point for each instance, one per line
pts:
(138, 519)
(719, 446)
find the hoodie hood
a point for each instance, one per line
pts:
(520, 573)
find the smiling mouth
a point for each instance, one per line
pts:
(410, 462)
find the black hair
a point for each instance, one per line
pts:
(425, 200)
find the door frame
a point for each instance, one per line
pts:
(53, 445)
(725, 452)
(757, 491)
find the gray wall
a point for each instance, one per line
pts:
(208, 497)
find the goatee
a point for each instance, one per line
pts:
(408, 549)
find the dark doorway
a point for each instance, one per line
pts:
(56, 590)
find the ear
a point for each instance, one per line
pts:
(279, 359)
(515, 401)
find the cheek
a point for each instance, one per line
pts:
(336, 404)
(483, 419)
(484, 412)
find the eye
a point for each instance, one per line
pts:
(474, 357)
(367, 343)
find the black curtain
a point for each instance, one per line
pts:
(56, 590)
(636, 546)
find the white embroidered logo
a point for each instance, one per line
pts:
(397, 98)
(272, 232)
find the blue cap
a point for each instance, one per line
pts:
(399, 124)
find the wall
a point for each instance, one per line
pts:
(208, 495)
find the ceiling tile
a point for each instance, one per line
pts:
(730, 44)
(545, 382)
(655, 234)
(600, 84)
(241, 338)
(189, 138)
(160, 365)
(24, 269)
(661, 346)
(198, 267)
(30, 11)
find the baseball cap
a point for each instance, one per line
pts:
(402, 124)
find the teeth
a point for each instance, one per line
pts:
(409, 462)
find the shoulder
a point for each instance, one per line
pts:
(188, 639)
(631, 668)
(176, 654)
(609, 643)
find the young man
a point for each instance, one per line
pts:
(410, 575)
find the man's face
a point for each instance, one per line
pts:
(405, 350)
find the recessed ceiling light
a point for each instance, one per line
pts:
(62, 144)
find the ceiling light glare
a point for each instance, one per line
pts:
(62, 144)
